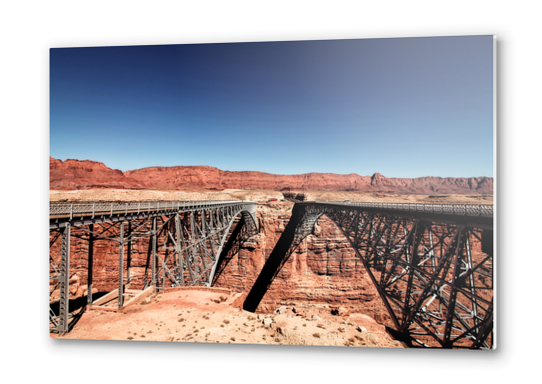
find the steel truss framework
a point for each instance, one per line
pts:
(434, 273)
(184, 242)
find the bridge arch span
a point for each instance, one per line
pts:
(182, 242)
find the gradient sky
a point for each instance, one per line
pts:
(406, 107)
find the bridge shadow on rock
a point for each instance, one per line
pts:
(77, 308)
(286, 245)
(238, 236)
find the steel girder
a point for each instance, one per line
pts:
(59, 274)
(433, 278)
(184, 242)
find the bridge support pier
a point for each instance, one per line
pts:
(90, 263)
(63, 276)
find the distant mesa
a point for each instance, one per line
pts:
(86, 174)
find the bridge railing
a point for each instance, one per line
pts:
(482, 210)
(101, 208)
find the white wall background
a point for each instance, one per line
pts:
(28, 29)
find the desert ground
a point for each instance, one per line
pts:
(260, 195)
(212, 316)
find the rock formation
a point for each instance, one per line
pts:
(322, 271)
(86, 174)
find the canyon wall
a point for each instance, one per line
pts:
(77, 174)
(322, 271)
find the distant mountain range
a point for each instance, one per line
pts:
(87, 174)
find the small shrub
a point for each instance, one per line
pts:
(317, 335)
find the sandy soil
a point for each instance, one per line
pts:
(205, 316)
(260, 195)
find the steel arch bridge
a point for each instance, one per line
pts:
(432, 265)
(184, 241)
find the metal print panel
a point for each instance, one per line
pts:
(334, 192)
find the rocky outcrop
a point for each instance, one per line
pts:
(76, 174)
(294, 196)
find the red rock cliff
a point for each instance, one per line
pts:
(86, 174)
(76, 174)
(322, 271)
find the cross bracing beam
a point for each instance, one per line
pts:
(181, 241)
(428, 264)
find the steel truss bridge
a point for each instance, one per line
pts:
(184, 242)
(432, 265)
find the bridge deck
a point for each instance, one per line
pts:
(61, 212)
(471, 215)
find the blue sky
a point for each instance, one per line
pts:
(406, 107)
